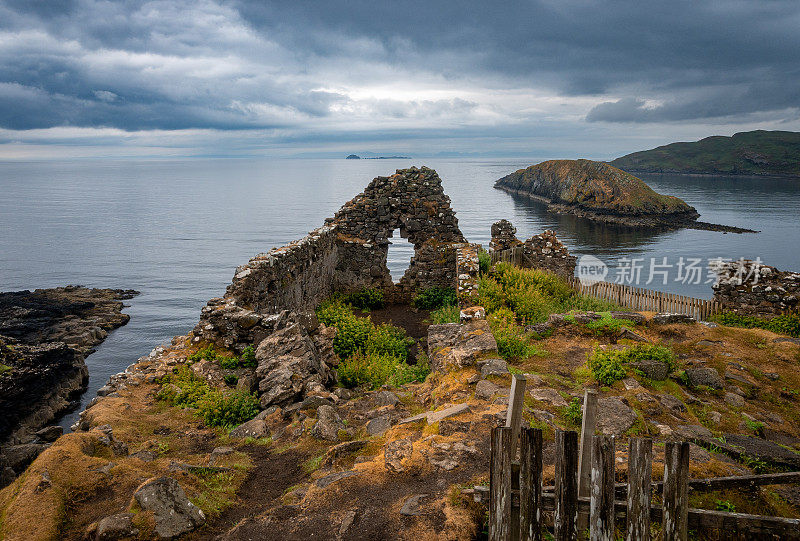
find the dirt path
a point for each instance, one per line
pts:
(272, 475)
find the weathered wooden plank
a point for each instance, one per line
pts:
(566, 487)
(514, 412)
(588, 426)
(601, 509)
(530, 485)
(640, 464)
(500, 485)
(676, 491)
(757, 526)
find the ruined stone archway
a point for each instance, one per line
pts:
(413, 202)
(400, 253)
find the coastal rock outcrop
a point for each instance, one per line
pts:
(598, 191)
(44, 338)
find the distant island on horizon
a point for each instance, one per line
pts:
(357, 157)
(759, 152)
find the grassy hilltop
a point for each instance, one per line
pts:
(757, 152)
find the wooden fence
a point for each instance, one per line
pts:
(641, 299)
(518, 503)
(515, 256)
(585, 494)
(633, 298)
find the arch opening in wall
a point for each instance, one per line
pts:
(399, 255)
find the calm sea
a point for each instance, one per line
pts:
(175, 230)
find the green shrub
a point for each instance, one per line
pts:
(229, 363)
(435, 297)
(411, 373)
(725, 505)
(484, 261)
(359, 334)
(375, 370)
(207, 354)
(248, 358)
(366, 299)
(513, 342)
(608, 325)
(532, 294)
(230, 379)
(371, 355)
(227, 409)
(388, 340)
(446, 314)
(784, 324)
(608, 366)
(184, 389)
(573, 413)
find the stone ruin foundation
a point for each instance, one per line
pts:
(542, 251)
(750, 288)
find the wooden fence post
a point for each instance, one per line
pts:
(640, 472)
(588, 426)
(566, 487)
(675, 521)
(601, 505)
(500, 485)
(514, 413)
(530, 485)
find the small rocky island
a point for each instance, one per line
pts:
(601, 192)
(45, 336)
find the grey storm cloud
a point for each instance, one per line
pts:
(235, 64)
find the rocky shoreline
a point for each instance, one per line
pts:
(665, 222)
(45, 335)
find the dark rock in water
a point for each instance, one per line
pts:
(353, 157)
(44, 337)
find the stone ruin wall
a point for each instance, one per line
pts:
(774, 293)
(347, 254)
(543, 251)
(413, 202)
(468, 272)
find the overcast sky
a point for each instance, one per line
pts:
(555, 78)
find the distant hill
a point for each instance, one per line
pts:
(760, 152)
